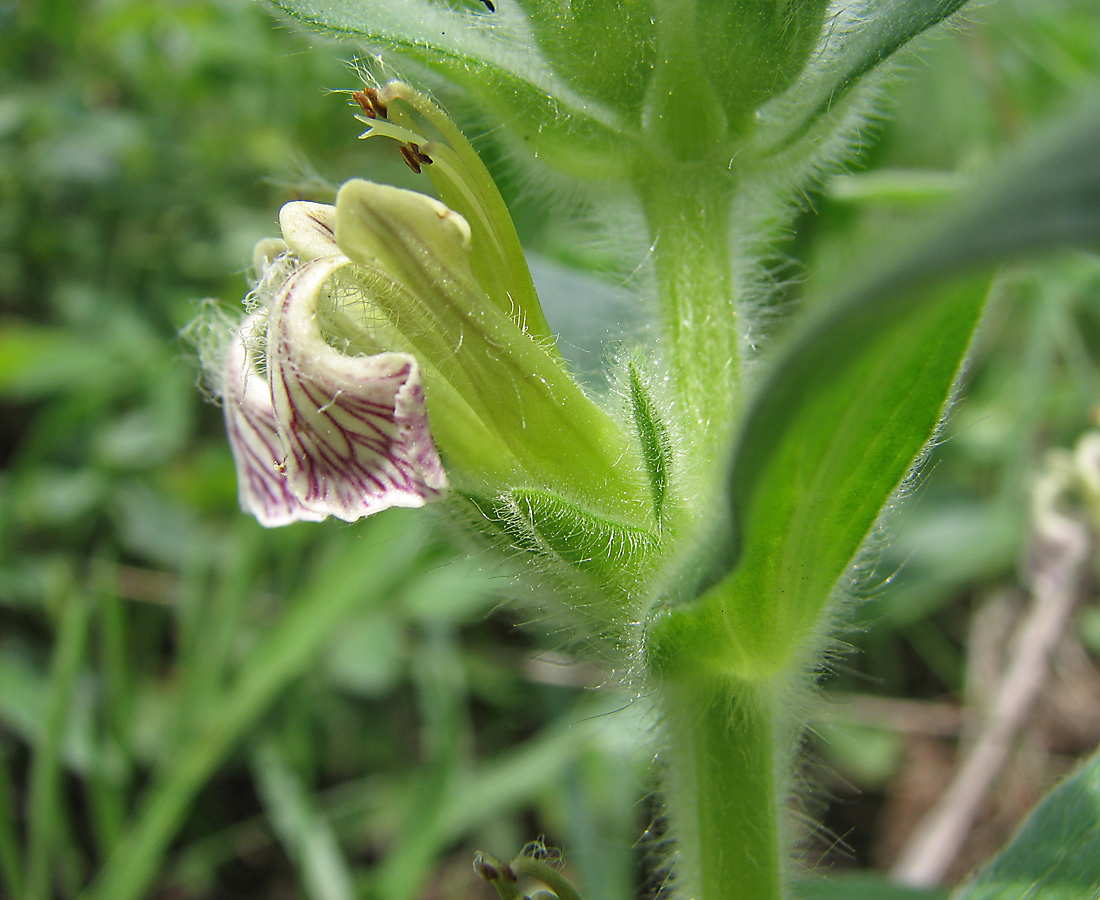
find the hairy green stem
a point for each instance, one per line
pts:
(722, 787)
(687, 212)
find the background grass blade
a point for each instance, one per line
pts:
(44, 800)
(11, 863)
(356, 573)
(306, 834)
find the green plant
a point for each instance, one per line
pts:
(697, 533)
(710, 579)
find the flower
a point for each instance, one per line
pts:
(394, 350)
(324, 432)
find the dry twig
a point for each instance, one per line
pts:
(1061, 552)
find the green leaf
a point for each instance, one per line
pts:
(859, 39)
(857, 394)
(1056, 855)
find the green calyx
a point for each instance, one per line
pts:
(717, 63)
(754, 50)
(605, 48)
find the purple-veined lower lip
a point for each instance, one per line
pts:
(254, 438)
(353, 429)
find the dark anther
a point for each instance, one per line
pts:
(414, 157)
(410, 158)
(363, 100)
(508, 873)
(420, 155)
(370, 104)
(489, 5)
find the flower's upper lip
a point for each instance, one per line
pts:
(309, 229)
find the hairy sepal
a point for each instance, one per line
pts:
(653, 438)
(599, 566)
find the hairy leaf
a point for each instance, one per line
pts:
(857, 394)
(1056, 855)
(861, 36)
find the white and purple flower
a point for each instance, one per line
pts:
(316, 432)
(367, 315)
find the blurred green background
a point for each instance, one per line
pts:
(193, 707)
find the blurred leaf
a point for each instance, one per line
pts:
(895, 186)
(38, 360)
(11, 866)
(871, 756)
(1056, 854)
(153, 527)
(459, 591)
(51, 496)
(367, 655)
(96, 150)
(24, 694)
(600, 798)
(306, 834)
(942, 546)
(45, 801)
(860, 887)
